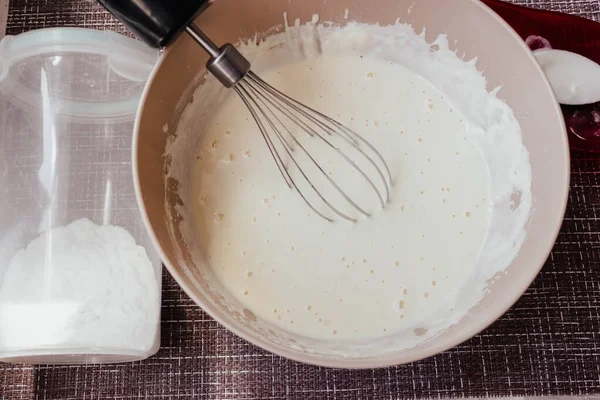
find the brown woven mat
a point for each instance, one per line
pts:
(548, 344)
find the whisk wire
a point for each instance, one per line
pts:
(264, 98)
(244, 95)
(353, 138)
(243, 92)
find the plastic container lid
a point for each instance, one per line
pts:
(88, 59)
(68, 100)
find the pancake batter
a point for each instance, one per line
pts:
(418, 264)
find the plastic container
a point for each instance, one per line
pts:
(79, 279)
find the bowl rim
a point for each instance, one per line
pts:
(365, 363)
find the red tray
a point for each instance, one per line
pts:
(564, 32)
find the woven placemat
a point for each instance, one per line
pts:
(547, 344)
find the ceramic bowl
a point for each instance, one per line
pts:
(473, 29)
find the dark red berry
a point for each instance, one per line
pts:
(583, 121)
(537, 42)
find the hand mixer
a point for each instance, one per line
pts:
(280, 118)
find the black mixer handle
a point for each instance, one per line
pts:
(156, 22)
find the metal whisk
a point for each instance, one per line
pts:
(279, 116)
(284, 122)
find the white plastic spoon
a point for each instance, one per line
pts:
(574, 78)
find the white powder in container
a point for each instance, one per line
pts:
(79, 289)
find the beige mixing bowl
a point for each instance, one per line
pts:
(475, 31)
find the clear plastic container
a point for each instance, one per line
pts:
(79, 278)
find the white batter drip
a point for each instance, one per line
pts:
(415, 267)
